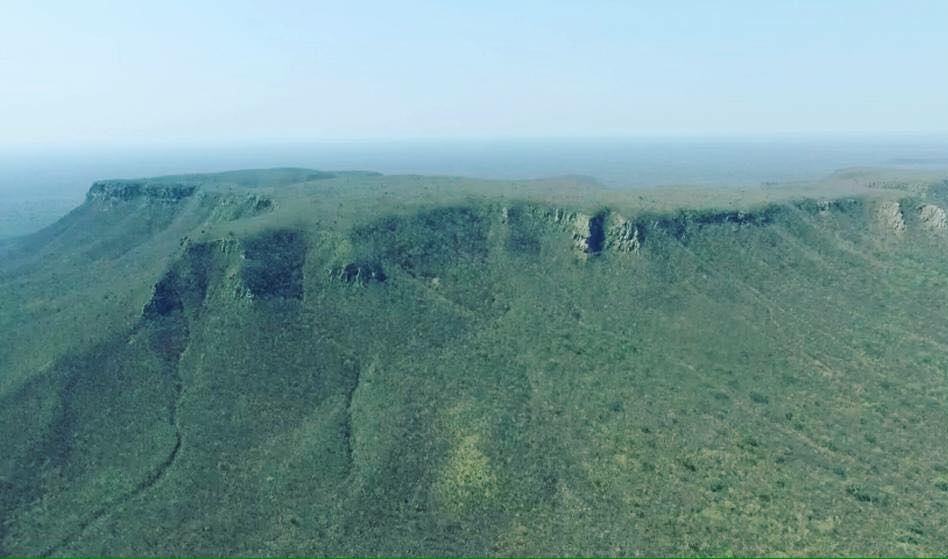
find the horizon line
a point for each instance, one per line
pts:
(166, 143)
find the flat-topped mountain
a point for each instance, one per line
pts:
(300, 362)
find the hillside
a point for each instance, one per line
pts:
(297, 362)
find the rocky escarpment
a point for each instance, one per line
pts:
(234, 206)
(184, 286)
(271, 263)
(608, 230)
(359, 273)
(826, 207)
(932, 217)
(264, 266)
(433, 363)
(624, 235)
(589, 233)
(125, 191)
(890, 217)
(421, 244)
(220, 205)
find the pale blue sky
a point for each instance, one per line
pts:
(122, 73)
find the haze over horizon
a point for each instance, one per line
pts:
(585, 278)
(103, 74)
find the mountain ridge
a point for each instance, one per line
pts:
(364, 364)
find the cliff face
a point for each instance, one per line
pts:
(932, 217)
(125, 191)
(228, 204)
(607, 230)
(366, 365)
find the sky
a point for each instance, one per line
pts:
(97, 73)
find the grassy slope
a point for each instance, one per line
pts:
(197, 377)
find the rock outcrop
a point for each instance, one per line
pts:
(932, 217)
(126, 191)
(623, 235)
(608, 230)
(359, 273)
(589, 233)
(889, 215)
(231, 207)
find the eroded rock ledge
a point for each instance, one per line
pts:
(124, 191)
(610, 230)
(932, 217)
(890, 217)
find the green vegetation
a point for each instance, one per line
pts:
(292, 362)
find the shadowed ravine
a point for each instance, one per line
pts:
(172, 364)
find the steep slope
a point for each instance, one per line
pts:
(351, 364)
